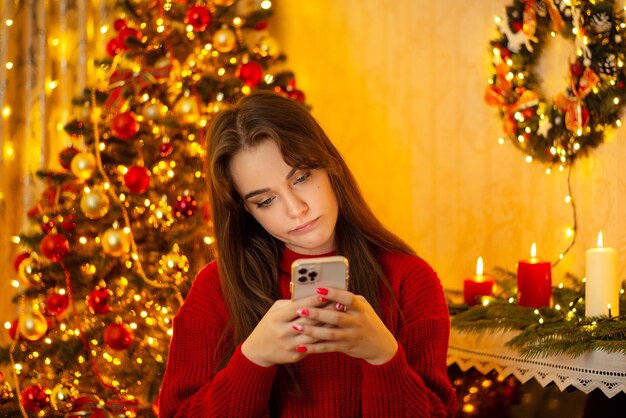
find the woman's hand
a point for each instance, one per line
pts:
(277, 338)
(355, 328)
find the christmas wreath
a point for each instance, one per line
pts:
(560, 130)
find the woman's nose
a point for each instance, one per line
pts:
(296, 207)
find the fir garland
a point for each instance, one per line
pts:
(560, 130)
(562, 329)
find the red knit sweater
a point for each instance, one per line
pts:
(412, 384)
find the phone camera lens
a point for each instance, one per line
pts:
(302, 271)
(313, 274)
(302, 279)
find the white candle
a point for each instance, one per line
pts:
(602, 283)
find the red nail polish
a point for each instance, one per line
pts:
(301, 349)
(323, 299)
(339, 306)
(298, 327)
(322, 291)
(303, 312)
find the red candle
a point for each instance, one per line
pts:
(477, 286)
(534, 281)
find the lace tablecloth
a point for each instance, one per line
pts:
(486, 351)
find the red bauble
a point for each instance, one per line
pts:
(251, 73)
(66, 156)
(577, 69)
(34, 398)
(296, 95)
(137, 179)
(528, 113)
(118, 336)
(68, 224)
(125, 34)
(198, 17)
(99, 301)
(124, 125)
(54, 247)
(166, 149)
(119, 24)
(185, 206)
(13, 329)
(46, 227)
(261, 25)
(113, 47)
(18, 260)
(517, 26)
(56, 303)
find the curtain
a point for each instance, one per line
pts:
(48, 55)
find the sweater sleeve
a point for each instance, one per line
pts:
(415, 380)
(190, 387)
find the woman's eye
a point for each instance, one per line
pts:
(265, 203)
(303, 178)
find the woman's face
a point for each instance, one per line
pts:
(296, 206)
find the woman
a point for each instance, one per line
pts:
(281, 191)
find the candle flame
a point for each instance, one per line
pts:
(479, 266)
(533, 250)
(600, 243)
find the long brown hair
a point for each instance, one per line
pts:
(247, 256)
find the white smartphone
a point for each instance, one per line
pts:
(307, 274)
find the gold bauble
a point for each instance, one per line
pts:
(83, 165)
(115, 242)
(187, 109)
(63, 396)
(223, 3)
(152, 110)
(29, 270)
(94, 204)
(224, 40)
(32, 325)
(268, 46)
(6, 392)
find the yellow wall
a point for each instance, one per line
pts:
(399, 87)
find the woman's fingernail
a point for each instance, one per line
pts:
(340, 306)
(303, 312)
(323, 299)
(301, 349)
(322, 291)
(298, 327)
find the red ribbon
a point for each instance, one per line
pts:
(501, 94)
(576, 113)
(530, 16)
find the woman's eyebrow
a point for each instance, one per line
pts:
(255, 192)
(259, 191)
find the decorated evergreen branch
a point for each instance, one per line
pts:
(562, 329)
(560, 129)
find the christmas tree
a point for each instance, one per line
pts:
(121, 230)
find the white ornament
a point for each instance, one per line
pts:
(517, 39)
(544, 127)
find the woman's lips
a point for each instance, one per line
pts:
(306, 226)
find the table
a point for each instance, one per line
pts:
(485, 351)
